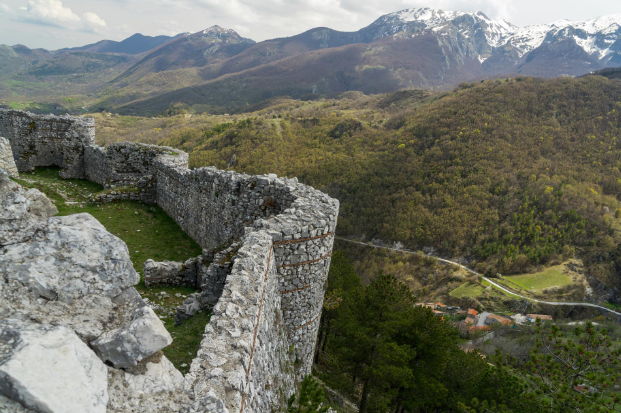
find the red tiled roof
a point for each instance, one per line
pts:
(500, 319)
(473, 312)
(542, 317)
(480, 328)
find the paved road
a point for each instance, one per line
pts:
(500, 287)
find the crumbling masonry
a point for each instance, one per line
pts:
(261, 337)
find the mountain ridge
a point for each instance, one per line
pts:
(412, 48)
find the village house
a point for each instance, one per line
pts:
(495, 318)
(533, 317)
(472, 316)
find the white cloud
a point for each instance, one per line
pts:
(53, 13)
(92, 21)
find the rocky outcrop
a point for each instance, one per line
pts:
(49, 369)
(22, 213)
(71, 257)
(142, 335)
(6, 158)
(67, 307)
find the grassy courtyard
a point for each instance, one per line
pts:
(148, 233)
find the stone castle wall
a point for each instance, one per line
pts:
(48, 140)
(248, 367)
(6, 158)
(263, 330)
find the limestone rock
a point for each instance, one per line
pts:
(126, 346)
(22, 213)
(156, 273)
(190, 306)
(9, 406)
(157, 389)
(159, 376)
(89, 317)
(71, 257)
(49, 369)
(6, 158)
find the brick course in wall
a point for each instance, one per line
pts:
(262, 334)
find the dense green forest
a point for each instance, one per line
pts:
(510, 174)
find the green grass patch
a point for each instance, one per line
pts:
(537, 282)
(148, 232)
(19, 105)
(187, 339)
(467, 290)
(612, 306)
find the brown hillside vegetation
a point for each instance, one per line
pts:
(378, 67)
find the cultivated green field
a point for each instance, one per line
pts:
(467, 290)
(537, 282)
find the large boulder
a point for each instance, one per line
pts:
(141, 336)
(158, 388)
(22, 213)
(65, 282)
(49, 369)
(159, 376)
(69, 258)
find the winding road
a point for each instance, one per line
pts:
(500, 287)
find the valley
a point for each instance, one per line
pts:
(217, 71)
(419, 215)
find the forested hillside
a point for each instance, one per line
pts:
(509, 174)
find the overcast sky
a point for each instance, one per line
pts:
(55, 24)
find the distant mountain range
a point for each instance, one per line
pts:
(218, 70)
(133, 45)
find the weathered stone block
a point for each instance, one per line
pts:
(127, 346)
(71, 257)
(50, 369)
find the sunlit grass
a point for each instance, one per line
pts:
(148, 233)
(537, 282)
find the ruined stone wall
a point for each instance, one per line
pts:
(127, 169)
(213, 206)
(244, 363)
(262, 335)
(47, 140)
(6, 158)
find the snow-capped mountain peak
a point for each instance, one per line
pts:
(594, 36)
(598, 37)
(437, 20)
(432, 17)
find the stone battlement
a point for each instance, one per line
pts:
(262, 334)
